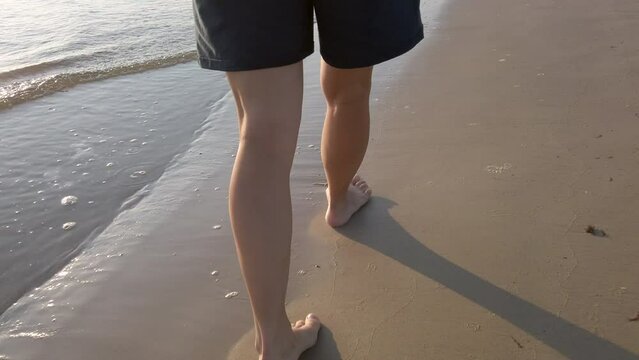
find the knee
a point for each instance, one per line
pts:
(353, 94)
(348, 94)
(267, 137)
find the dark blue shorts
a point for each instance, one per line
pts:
(238, 35)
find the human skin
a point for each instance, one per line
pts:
(269, 106)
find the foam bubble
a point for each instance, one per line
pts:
(69, 225)
(232, 294)
(30, 334)
(69, 200)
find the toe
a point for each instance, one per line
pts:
(312, 321)
(360, 183)
(356, 179)
(368, 192)
(299, 323)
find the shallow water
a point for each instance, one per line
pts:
(102, 144)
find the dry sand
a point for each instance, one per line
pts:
(494, 146)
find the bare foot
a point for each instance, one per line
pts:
(304, 336)
(357, 195)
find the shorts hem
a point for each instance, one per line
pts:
(230, 65)
(376, 60)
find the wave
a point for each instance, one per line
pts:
(22, 91)
(32, 69)
(45, 66)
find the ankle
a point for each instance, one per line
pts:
(336, 204)
(274, 346)
(336, 199)
(275, 339)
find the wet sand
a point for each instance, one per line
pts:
(494, 146)
(497, 146)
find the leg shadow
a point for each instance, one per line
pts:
(375, 228)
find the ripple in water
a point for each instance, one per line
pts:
(136, 174)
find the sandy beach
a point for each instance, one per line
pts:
(495, 144)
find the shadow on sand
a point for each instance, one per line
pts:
(326, 348)
(375, 228)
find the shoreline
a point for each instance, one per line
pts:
(98, 100)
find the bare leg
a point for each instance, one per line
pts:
(345, 139)
(269, 105)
